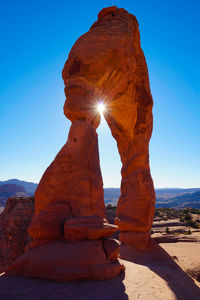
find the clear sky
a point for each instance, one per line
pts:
(36, 37)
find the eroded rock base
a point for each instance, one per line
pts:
(64, 261)
(140, 240)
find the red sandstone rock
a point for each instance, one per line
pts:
(69, 200)
(61, 261)
(14, 222)
(37, 243)
(74, 177)
(88, 228)
(48, 224)
(108, 64)
(111, 247)
(140, 239)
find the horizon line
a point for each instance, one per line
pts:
(109, 187)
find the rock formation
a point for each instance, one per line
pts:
(14, 222)
(70, 234)
(69, 229)
(107, 64)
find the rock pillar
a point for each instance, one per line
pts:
(71, 237)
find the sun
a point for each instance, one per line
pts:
(101, 108)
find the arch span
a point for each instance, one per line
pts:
(107, 64)
(112, 68)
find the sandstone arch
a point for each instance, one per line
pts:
(106, 63)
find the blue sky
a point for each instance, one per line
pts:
(36, 37)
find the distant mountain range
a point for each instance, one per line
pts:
(9, 190)
(30, 187)
(167, 197)
(191, 199)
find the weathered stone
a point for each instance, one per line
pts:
(108, 64)
(61, 261)
(14, 222)
(48, 224)
(87, 228)
(74, 177)
(69, 205)
(139, 239)
(111, 247)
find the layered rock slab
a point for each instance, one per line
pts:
(62, 261)
(88, 228)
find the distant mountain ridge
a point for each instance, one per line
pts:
(181, 201)
(30, 187)
(165, 197)
(10, 190)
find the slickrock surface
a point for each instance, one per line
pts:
(149, 275)
(107, 64)
(14, 222)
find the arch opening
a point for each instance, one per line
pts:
(110, 163)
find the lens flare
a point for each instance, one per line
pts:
(101, 108)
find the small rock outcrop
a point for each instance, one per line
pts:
(14, 222)
(71, 237)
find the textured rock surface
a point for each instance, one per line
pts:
(47, 225)
(81, 260)
(108, 64)
(74, 177)
(14, 222)
(69, 228)
(87, 228)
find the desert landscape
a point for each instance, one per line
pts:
(73, 233)
(171, 262)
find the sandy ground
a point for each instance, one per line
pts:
(186, 255)
(183, 247)
(150, 275)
